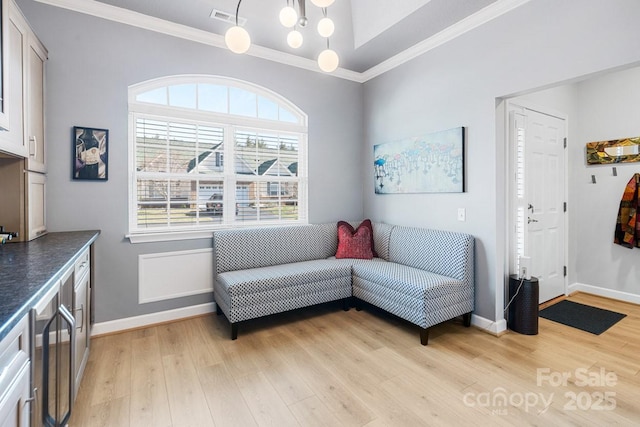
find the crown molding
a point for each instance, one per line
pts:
(150, 23)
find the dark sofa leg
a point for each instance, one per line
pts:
(424, 336)
(346, 304)
(234, 331)
(466, 319)
(357, 304)
(218, 311)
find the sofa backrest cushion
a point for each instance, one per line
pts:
(381, 236)
(239, 249)
(447, 253)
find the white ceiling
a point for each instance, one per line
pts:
(367, 33)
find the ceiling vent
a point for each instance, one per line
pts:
(227, 17)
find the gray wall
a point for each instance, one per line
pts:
(537, 45)
(91, 64)
(608, 109)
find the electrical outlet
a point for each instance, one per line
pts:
(462, 214)
(525, 267)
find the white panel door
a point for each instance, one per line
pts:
(544, 195)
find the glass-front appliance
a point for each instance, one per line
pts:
(53, 341)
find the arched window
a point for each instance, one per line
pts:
(213, 152)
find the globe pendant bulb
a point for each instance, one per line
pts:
(288, 16)
(237, 39)
(294, 39)
(326, 27)
(328, 60)
(322, 3)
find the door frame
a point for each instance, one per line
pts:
(512, 104)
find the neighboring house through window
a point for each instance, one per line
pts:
(183, 129)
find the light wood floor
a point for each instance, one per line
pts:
(327, 367)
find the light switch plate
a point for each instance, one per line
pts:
(462, 214)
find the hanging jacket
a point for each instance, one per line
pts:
(627, 232)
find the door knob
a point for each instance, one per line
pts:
(529, 220)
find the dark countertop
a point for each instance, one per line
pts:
(28, 270)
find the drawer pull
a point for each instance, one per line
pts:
(34, 398)
(81, 310)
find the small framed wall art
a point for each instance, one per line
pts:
(91, 153)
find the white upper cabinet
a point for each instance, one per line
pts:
(14, 35)
(23, 68)
(34, 111)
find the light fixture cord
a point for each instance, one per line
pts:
(238, 11)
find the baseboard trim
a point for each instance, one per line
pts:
(136, 322)
(490, 326)
(604, 292)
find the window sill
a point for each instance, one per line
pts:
(169, 236)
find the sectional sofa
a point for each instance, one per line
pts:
(421, 275)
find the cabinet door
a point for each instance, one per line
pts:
(4, 56)
(35, 106)
(13, 140)
(36, 215)
(81, 306)
(14, 406)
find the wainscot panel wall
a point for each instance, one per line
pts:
(92, 62)
(537, 45)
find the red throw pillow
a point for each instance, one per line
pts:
(356, 243)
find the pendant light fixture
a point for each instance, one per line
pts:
(237, 38)
(239, 41)
(328, 60)
(295, 39)
(288, 16)
(325, 25)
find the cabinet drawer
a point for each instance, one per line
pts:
(14, 353)
(82, 264)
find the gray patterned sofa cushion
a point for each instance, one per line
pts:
(412, 282)
(256, 292)
(443, 252)
(419, 296)
(424, 313)
(381, 236)
(240, 249)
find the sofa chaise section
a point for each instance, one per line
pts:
(429, 277)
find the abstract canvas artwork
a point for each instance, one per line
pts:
(433, 163)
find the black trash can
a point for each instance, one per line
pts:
(523, 311)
